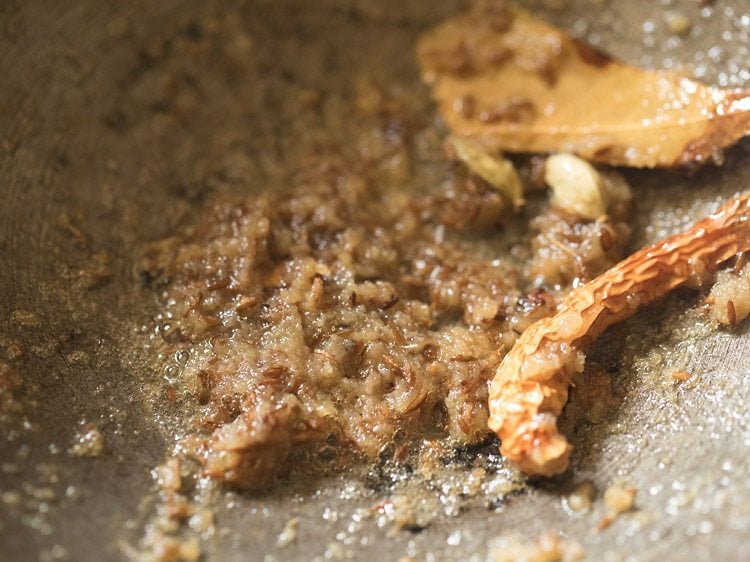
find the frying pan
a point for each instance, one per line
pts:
(117, 119)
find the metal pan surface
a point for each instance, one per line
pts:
(118, 119)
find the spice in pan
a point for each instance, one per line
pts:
(549, 92)
(347, 319)
(531, 384)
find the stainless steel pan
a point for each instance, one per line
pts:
(111, 133)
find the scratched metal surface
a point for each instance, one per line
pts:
(82, 140)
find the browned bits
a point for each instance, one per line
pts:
(274, 377)
(204, 383)
(219, 284)
(731, 313)
(316, 291)
(531, 384)
(680, 376)
(354, 310)
(606, 237)
(333, 267)
(171, 394)
(417, 401)
(246, 303)
(512, 110)
(729, 299)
